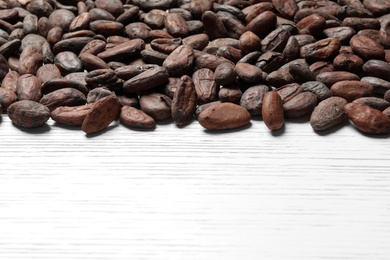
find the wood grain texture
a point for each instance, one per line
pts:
(188, 194)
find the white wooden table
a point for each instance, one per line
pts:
(186, 194)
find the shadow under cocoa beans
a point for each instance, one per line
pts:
(372, 136)
(279, 132)
(139, 129)
(300, 120)
(333, 129)
(164, 122)
(35, 130)
(224, 131)
(67, 127)
(108, 128)
(186, 124)
(256, 118)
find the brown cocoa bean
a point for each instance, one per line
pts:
(270, 61)
(249, 42)
(134, 117)
(348, 62)
(73, 116)
(225, 74)
(249, 73)
(374, 102)
(28, 87)
(209, 61)
(103, 78)
(321, 66)
(28, 113)
(129, 71)
(146, 80)
(197, 41)
(300, 105)
(7, 97)
(176, 25)
(213, 26)
(80, 22)
(272, 111)
(331, 77)
(59, 83)
(180, 61)
(63, 97)
(329, 112)
(321, 50)
(252, 99)
(224, 116)
(123, 51)
(380, 85)
(279, 78)
(93, 47)
(156, 105)
(367, 119)
(377, 68)
(30, 60)
(287, 92)
(68, 62)
(205, 86)
(165, 45)
(98, 93)
(342, 33)
(101, 115)
(366, 48)
(318, 88)
(10, 80)
(230, 94)
(352, 89)
(286, 8)
(358, 23)
(313, 24)
(184, 101)
(262, 24)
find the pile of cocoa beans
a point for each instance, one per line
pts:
(89, 63)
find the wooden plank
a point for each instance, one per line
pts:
(189, 194)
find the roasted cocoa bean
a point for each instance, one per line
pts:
(366, 48)
(7, 97)
(180, 61)
(377, 68)
(134, 117)
(101, 114)
(329, 112)
(331, 77)
(28, 87)
(73, 116)
(28, 113)
(223, 116)
(205, 85)
(184, 101)
(252, 99)
(63, 97)
(300, 105)
(230, 94)
(318, 88)
(146, 80)
(225, 74)
(272, 111)
(289, 91)
(59, 83)
(156, 105)
(367, 119)
(352, 89)
(249, 73)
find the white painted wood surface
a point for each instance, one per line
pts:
(185, 194)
